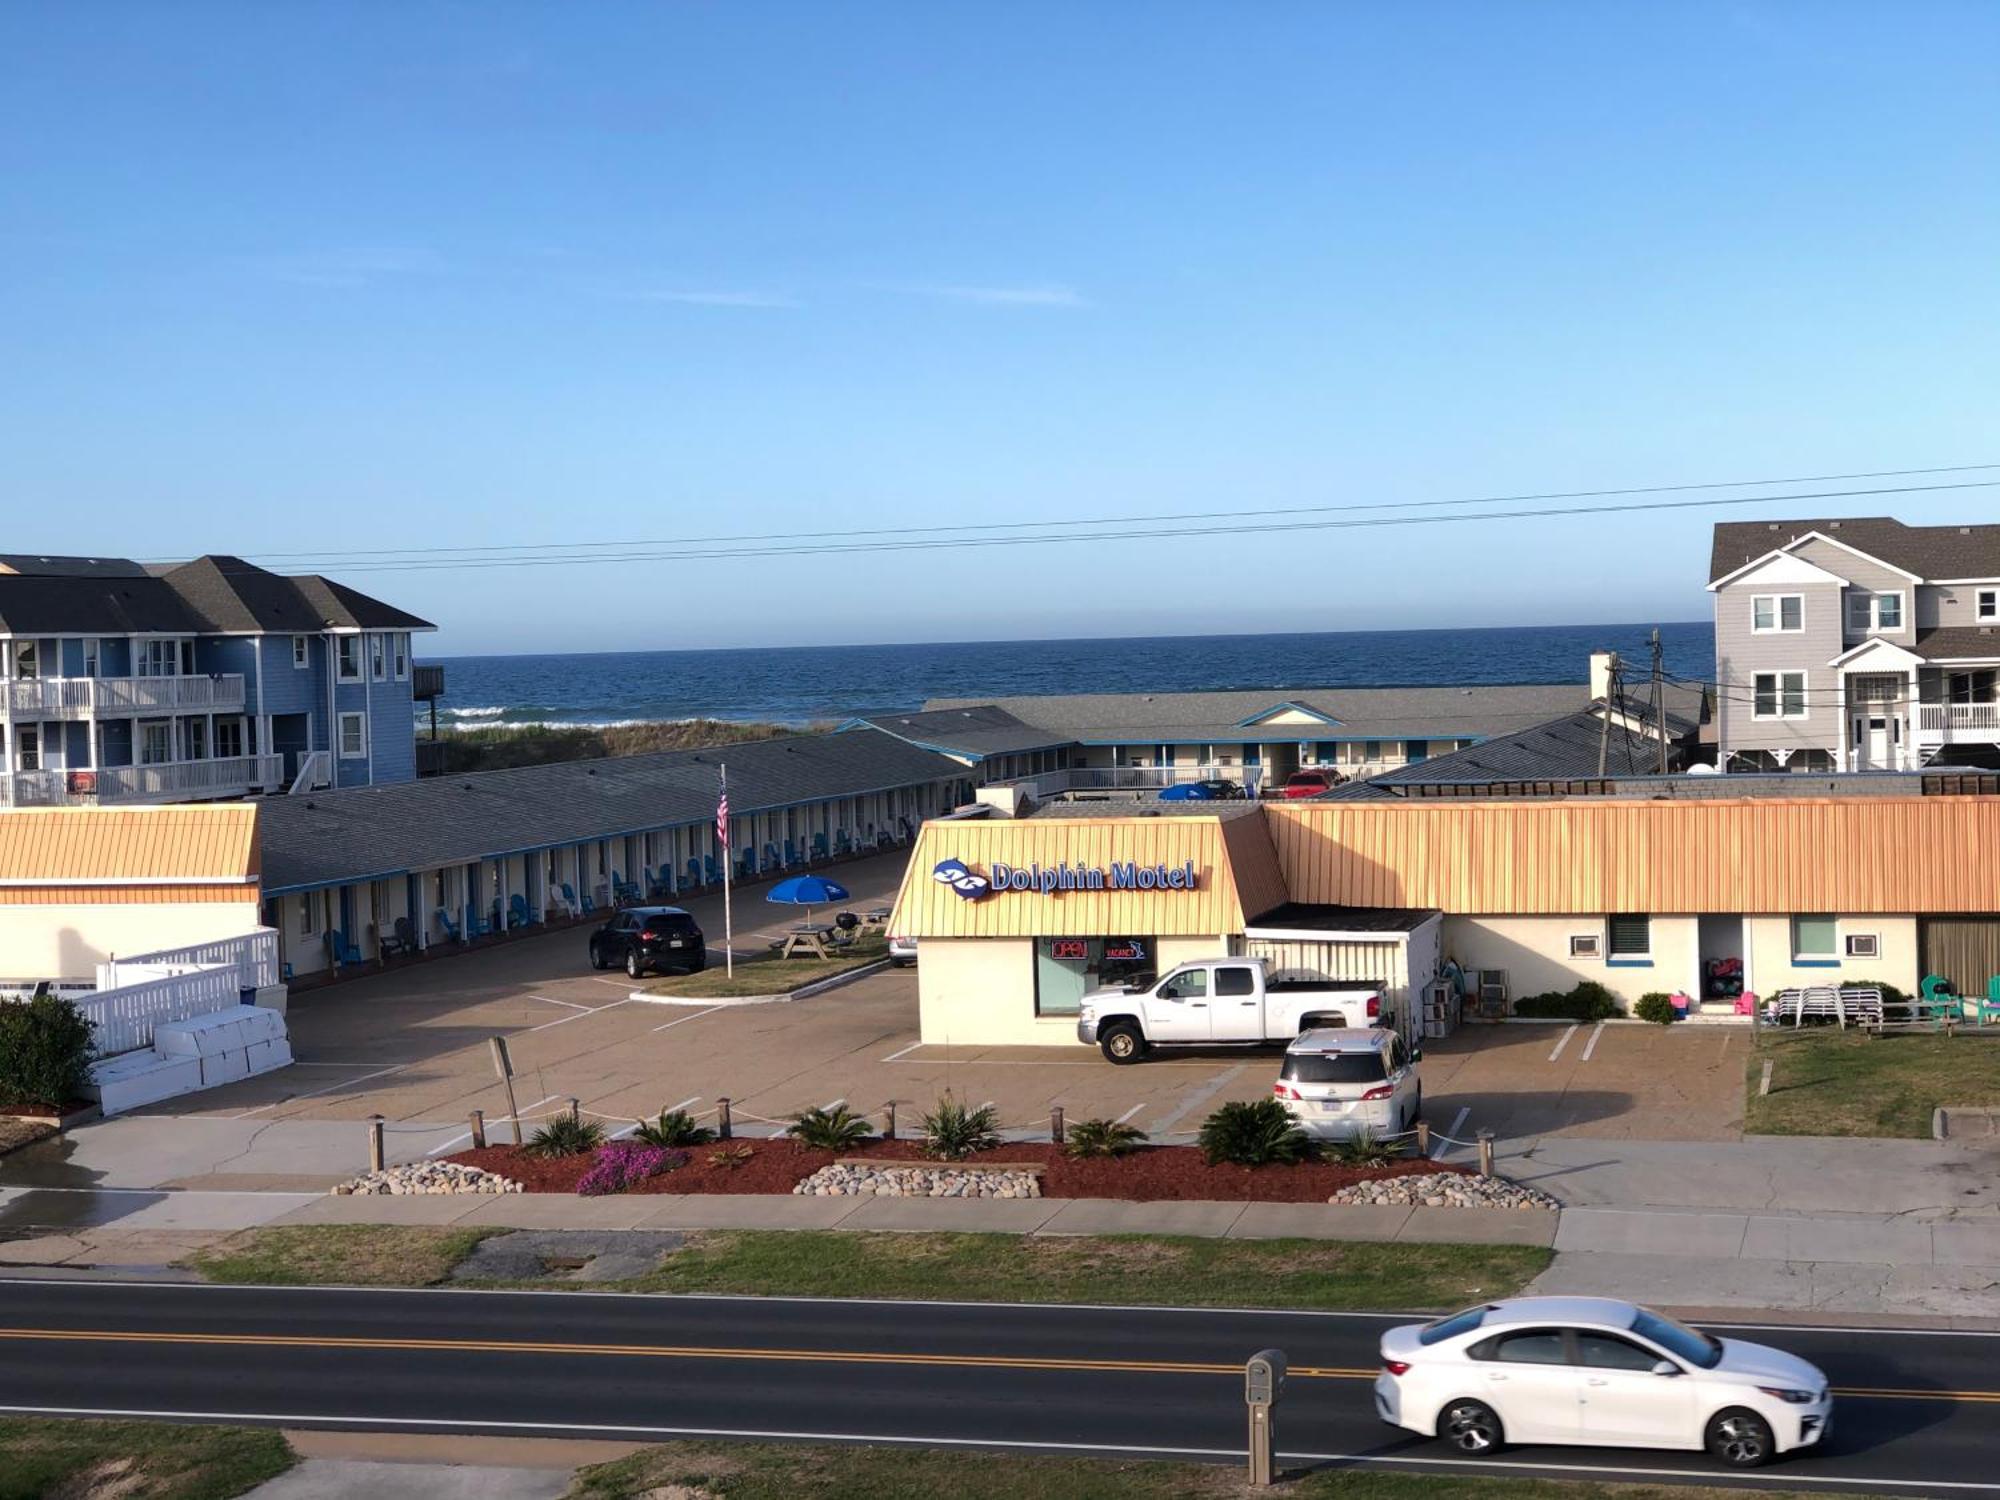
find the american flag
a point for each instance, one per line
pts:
(722, 814)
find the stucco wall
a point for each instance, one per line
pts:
(981, 992)
(1772, 968)
(68, 942)
(1535, 953)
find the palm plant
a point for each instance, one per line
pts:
(837, 1128)
(953, 1132)
(1102, 1138)
(1258, 1133)
(674, 1128)
(565, 1136)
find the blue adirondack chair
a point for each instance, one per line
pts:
(660, 882)
(714, 870)
(623, 890)
(909, 833)
(344, 953)
(770, 857)
(747, 865)
(569, 898)
(842, 844)
(819, 846)
(451, 928)
(791, 853)
(518, 914)
(476, 925)
(694, 872)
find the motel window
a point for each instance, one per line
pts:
(309, 914)
(353, 741)
(350, 658)
(1866, 612)
(1779, 695)
(1371, 750)
(1067, 968)
(1629, 935)
(28, 749)
(1774, 613)
(1987, 604)
(300, 656)
(1814, 940)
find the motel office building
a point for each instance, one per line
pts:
(1531, 895)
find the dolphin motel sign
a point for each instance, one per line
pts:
(1052, 880)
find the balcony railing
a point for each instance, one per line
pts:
(1973, 720)
(168, 781)
(255, 954)
(74, 697)
(1139, 780)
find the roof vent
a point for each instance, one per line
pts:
(1833, 525)
(1965, 531)
(312, 807)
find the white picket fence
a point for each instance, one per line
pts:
(255, 953)
(125, 1017)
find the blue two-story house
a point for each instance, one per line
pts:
(207, 679)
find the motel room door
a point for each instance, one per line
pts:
(1966, 950)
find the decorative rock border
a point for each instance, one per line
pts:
(855, 1179)
(1444, 1190)
(425, 1178)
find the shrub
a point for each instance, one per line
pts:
(44, 1052)
(625, 1164)
(835, 1129)
(1254, 1134)
(1102, 1138)
(1363, 1150)
(1589, 1001)
(1656, 1006)
(729, 1158)
(563, 1136)
(953, 1132)
(673, 1128)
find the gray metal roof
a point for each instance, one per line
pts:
(328, 838)
(1560, 749)
(1467, 712)
(976, 729)
(1930, 552)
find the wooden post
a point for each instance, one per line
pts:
(1485, 1152)
(374, 1143)
(503, 1064)
(1056, 1131)
(575, 1112)
(1764, 1083)
(889, 1121)
(479, 1130)
(1424, 1139)
(722, 1131)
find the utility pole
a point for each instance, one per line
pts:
(1604, 725)
(1660, 698)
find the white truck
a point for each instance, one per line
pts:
(1218, 1000)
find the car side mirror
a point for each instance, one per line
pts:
(1666, 1367)
(1417, 1055)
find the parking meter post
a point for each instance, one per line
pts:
(478, 1130)
(1485, 1152)
(889, 1121)
(1263, 1384)
(722, 1118)
(374, 1143)
(1056, 1130)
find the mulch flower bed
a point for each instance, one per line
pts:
(1149, 1175)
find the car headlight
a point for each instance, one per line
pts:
(1796, 1398)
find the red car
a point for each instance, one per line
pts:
(1310, 783)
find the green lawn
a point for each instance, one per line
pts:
(338, 1254)
(767, 974)
(141, 1460)
(762, 1471)
(1831, 1082)
(982, 1267)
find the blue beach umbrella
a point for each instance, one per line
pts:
(807, 891)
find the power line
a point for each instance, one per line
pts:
(801, 545)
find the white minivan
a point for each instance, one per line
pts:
(1340, 1082)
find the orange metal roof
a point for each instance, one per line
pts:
(1902, 854)
(93, 847)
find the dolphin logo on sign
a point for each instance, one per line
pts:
(954, 873)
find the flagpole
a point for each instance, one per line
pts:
(728, 912)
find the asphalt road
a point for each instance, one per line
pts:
(1916, 1414)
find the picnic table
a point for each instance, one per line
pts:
(807, 938)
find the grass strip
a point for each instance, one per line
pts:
(768, 974)
(1114, 1269)
(768, 1471)
(41, 1456)
(1831, 1082)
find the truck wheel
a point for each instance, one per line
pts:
(1123, 1043)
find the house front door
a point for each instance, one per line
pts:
(1873, 737)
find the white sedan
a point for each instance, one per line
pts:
(1591, 1370)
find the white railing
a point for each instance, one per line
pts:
(254, 953)
(61, 696)
(124, 1018)
(1947, 718)
(32, 789)
(187, 778)
(1139, 779)
(315, 771)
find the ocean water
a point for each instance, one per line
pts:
(811, 684)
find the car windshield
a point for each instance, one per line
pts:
(1453, 1326)
(1333, 1067)
(1698, 1349)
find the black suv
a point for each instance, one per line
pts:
(649, 937)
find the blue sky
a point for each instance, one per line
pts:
(335, 278)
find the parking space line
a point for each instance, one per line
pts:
(550, 1000)
(682, 1021)
(1563, 1041)
(621, 984)
(1457, 1124)
(896, 1056)
(315, 1093)
(1128, 1114)
(1591, 1045)
(580, 1014)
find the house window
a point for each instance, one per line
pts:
(301, 652)
(378, 657)
(1585, 945)
(195, 733)
(27, 661)
(402, 641)
(228, 738)
(156, 742)
(1814, 940)
(1630, 937)
(1866, 612)
(353, 738)
(1777, 613)
(90, 656)
(1863, 945)
(1779, 695)
(160, 659)
(350, 658)
(1987, 604)
(28, 751)
(1971, 687)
